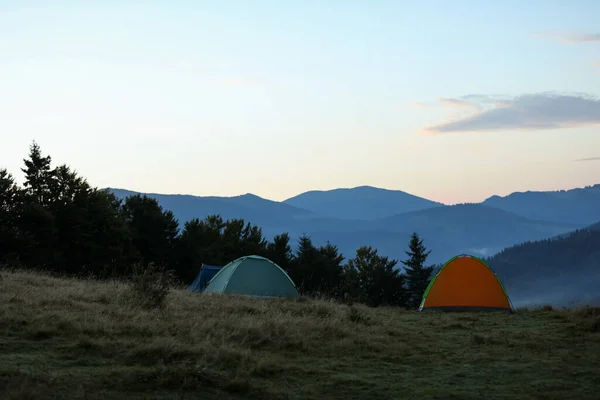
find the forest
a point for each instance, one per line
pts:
(59, 223)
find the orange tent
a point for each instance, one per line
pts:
(465, 283)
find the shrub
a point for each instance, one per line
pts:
(150, 285)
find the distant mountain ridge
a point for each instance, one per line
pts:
(559, 271)
(362, 202)
(478, 229)
(577, 206)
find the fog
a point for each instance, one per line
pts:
(558, 291)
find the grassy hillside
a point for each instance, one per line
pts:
(85, 340)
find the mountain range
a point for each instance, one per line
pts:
(384, 219)
(563, 270)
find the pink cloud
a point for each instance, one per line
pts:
(457, 103)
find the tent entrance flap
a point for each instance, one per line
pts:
(207, 272)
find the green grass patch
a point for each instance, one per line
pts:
(77, 339)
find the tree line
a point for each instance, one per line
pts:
(59, 223)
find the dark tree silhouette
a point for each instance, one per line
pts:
(376, 280)
(417, 274)
(280, 251)
(61, 223)
(153, 230)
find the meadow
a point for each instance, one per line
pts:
(83, 339)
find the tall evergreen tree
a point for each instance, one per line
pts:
(39, 175)
(241, 239)
(376, 279)
(10, 201)
(304, 265)
(36, 222)
(109, 241)
(191, 250)
(153, 230)
(330, 272)
(417, 274)
(253, 241)
(280, 251)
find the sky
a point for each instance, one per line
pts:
(451, 100)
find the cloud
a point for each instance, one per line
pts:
(570, 37)
(419, 105)
(470, 101)
(541, 111)
(588, 159)
(458, 103)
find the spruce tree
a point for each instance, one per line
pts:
(10, 200)
(375, 279)
(154, 231)
(304, 266)
(417, 274)
(280, 251)
(330, 271)
(39, 175)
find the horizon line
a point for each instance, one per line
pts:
(344, 188)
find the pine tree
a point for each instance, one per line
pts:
(10, 200)
(376, 279)
(330, 271)
(154, 231)
(280, 251)
(305, 265)
(39, 175)
(417, 274)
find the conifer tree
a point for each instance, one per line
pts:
(10, 200)
(280, 251)
(376, 279)
(417, 274)
(153, 230)
(38, 175)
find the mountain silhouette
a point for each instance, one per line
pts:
(576, 206)
(477, 229)
(363, 202)
(558, 271)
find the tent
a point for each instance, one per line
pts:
(204, 276)
(466, 283)
(253, 276)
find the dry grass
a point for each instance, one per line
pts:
(85, 340)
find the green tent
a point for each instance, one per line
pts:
(253, 276)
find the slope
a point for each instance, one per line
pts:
(447, 230)
(469, 228)
(576, 206)
(248, 207)
(560, 270)
(364, 202)
(213, 347)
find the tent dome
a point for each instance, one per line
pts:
(253, 276)
(465, 283)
